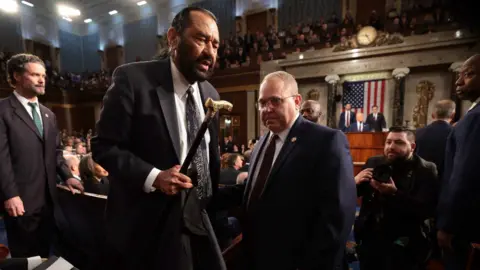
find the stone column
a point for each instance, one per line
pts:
(399, 75)
(455, 69)
(103, 60)
(332, 81)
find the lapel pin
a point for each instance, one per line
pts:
(294, 139)
(46, 115)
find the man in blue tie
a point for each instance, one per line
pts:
(30, 157)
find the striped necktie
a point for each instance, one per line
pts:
(36, 117)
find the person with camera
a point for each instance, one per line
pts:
(399, 193)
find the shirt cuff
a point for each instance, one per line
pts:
(34, 262)
(148, 186)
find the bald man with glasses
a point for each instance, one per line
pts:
(300, 187)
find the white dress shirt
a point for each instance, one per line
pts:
(27, 107)
(282, 136)
(180, 87)
(348, 118)
(375, 116)
(474, 104)
(360, 126)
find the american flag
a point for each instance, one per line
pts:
(364, 95)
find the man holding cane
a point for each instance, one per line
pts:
(156, 217)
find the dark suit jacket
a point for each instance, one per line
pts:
(460, 201)
(432, 141)
(354, 128)
(307, 209)
(377, 125)
(29, 162)
(228, 176)
(403, 213)
(138, 131)
(341, 123)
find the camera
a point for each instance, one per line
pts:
(382, 173)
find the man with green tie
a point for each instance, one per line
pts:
(30, 160)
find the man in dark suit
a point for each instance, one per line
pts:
(311, 110)
(347, 118)
(30, 157)
(300, 187)
(459, 206)
(432, 139)
(155, 218)
(376, 120)
(228, 176)
(359, 125)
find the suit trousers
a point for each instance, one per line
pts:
(31, 234)
(195, 255)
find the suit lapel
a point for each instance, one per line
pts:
(20, 111)
(289, 144)
(45, 120)
(166, 97)
(254, 165)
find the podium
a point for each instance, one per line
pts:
(364, 145)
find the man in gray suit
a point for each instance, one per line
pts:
(151, 114)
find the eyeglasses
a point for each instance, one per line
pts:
(273, 101)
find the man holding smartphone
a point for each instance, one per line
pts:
(399, 193)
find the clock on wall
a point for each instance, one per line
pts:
(366, 35)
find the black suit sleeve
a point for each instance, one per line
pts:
(110, 146)
(335, 206)
(383, 123)
(8, 186)
(424, 203)
(458, 195)
(62, 169)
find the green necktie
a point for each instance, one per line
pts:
(36, 117)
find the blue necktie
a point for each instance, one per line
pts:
(36, 117)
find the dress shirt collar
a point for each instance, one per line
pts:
(474, 103)
(180, 84)
(282, 136)
(24, 101)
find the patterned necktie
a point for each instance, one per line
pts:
(36, 117)
(348, 119)
(204, 188)
(264, 172)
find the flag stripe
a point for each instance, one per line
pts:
(363, 95)
(382, 100)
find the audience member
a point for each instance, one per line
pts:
(94, 176)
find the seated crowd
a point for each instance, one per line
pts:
(76, 151)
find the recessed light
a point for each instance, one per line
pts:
(113, 12)
(9, 6)
(87, 21)
(141, 3)
(68, 11)
(67, 19)
(27, 3)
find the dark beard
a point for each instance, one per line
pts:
(188, 66)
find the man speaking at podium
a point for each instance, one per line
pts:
(151, 114)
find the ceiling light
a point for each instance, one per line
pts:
(9, 6)
(141, 3)
(113, 12)
(67, 19)
(68, 11)
(87, 21)
(27, 3)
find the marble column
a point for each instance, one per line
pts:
(399, 75)
(332, 81)
(455, 69)
(103, 60)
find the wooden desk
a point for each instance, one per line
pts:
(364, 145)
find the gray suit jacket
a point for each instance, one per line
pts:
(138, 131)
